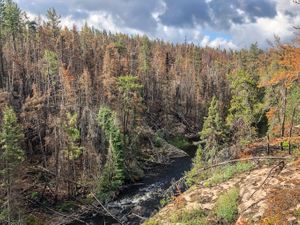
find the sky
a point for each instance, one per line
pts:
(231, 24)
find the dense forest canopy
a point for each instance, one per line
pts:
(81, 108)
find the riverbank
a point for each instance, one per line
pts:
(137, 202)
(265, 193)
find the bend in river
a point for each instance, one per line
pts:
(139, 201)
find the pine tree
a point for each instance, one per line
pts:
(73, 135)
(1, 15)
(145, 56)
(53, 21)
(11, 155)
(129, 99)
(245, 106)
(198, 163)
(50, 68)
(113, 174)
(50, 63)
(1, 42)
(198, 159)
(213, 132)
(73, 149)
(12, 19)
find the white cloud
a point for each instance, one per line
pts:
(102, 20)
(265, 28)
(238, 35)
(217, 43)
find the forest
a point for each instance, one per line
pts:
(85, 112)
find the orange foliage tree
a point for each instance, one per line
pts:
(282, 84)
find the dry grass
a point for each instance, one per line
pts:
(297, 162)
(280, 202)
(241, 222)
(179, 202)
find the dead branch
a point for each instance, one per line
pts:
(243, 160)
(253, 204)
(105, 209)
(44, 170)
(141, 217)
(280, 166)
(59, 213)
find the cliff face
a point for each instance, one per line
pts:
(267, 195)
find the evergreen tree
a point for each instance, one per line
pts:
(1, 14)
(249, 61)
(145, 55)
(12, 19)
(73, 135)
(1, 42)
(198, 159)
(50, 67)
(50, 63)
(213, 132)
(11, 155)
(53, 21)
(113, 174)
(73, 149)
(198, 162)
(245, 106)
(129, 99)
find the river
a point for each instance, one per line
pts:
(139, 201)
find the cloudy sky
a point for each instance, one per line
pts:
(216, 23)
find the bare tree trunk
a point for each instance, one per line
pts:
(14, 42)
(41, 145)
(8, 189)
(291, 129)
(268, 145)
(283, 115)
(57, 174)
(1, 66)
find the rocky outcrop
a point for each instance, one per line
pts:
(268, 195)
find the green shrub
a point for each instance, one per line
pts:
(189, 217)
(152, 222)
(164, 201)
(180, 142)
(226, 206)
(242, 167)
(298, 213)
(157, 141)
(3, 215)
(225, 173)
(193, 176)
(35, 195)
(32, 220)
(216, 176)
(67, 206)
(285, 144)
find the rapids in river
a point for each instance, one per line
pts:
(139, 201)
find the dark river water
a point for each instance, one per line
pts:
(137, 202)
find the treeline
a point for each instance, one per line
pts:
(87, 101)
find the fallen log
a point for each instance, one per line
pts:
(105, 209)
(243, 160)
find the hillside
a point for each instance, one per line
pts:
(265, 194)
